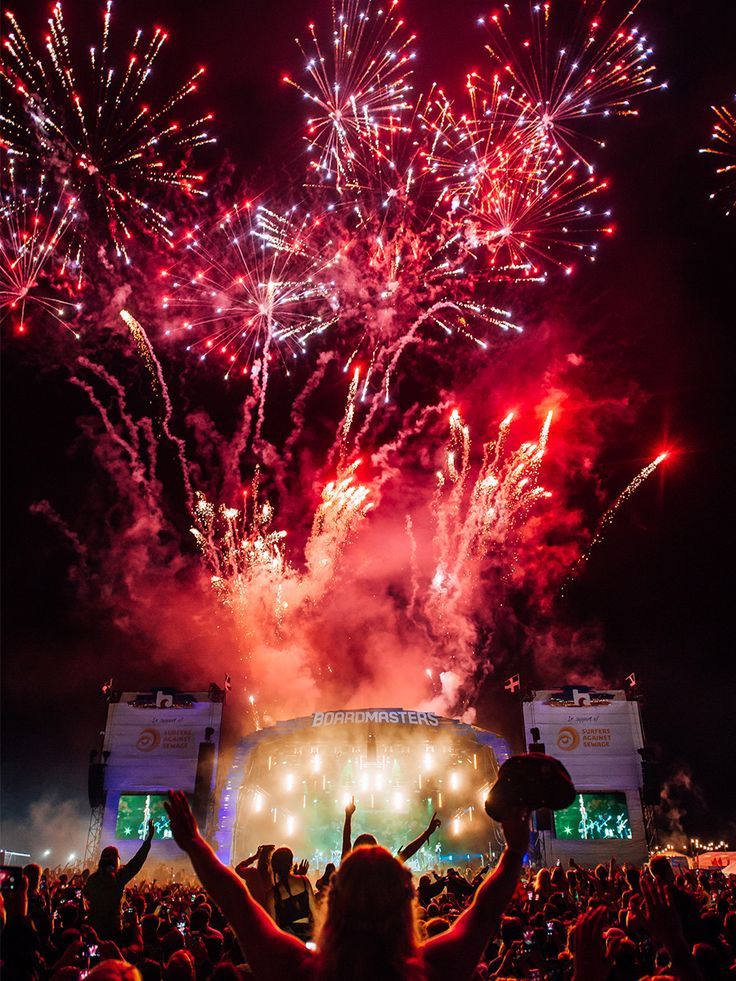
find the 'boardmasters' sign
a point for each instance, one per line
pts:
(393, 716)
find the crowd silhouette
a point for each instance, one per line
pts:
(368, 918)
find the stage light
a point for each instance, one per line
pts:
(364, 781)
(316, 763)
(456, 826)
(346, 798)
(454, 780)
(289, 781)
(46, 853)
(398, 800)
(257, 802)
(290, 825)
(379, 781)
(72, 857)
(428, 761)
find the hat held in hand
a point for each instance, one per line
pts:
(531, 781)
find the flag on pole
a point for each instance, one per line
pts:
(228, 683)
(512, 683)
(631, 678)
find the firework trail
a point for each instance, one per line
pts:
(157, 375)
(476, 521)
(723, 147)
(33, 228)
(250, 571)
(91, 126)
(608, 518)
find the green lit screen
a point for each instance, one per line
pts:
(134, 813)
(603, 815)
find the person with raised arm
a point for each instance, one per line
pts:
(403, 855)
(369, 930)
(105, 887)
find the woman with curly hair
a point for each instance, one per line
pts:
(369, 929)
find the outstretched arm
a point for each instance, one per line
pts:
(457, 952)
(131, 870)
(664, 925)
(413, 847)
(269, 951)
(347, 838)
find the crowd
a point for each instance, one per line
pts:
(369, 918)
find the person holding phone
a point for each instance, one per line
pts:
(105, 888)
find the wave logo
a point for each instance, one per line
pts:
(149, 739)
(568, 738)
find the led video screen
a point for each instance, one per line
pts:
(594, 815)
(134, 813)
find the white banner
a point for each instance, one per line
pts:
(596, 735)
(153, 740)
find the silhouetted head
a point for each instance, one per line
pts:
(662, 870)
(200, 918)
(282, 861)
(114, 971)
(264, 859)
(365, 839)
(109, 859)
(33, 874)
(179, 967)
(370, 918)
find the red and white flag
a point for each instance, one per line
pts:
(512, 683)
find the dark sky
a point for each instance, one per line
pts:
(661, 585)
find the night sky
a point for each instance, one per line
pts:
(658, 308)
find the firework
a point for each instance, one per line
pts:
(434, 208)
(34, 228)
(609, 516)
(95, 128)
(473, 516)
(248, 562)
(357, 87)
(723, 147)
(536, 215)
(250, 288)
(414, 212)
(566, 70)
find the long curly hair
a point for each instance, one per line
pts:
(369, 929)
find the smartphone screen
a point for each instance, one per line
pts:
(10, 877)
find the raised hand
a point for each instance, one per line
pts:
(590, 962)
(350, 808)
(183, 824)
(661, 919)
(434, 823)
(302, 867)
(151, 830)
